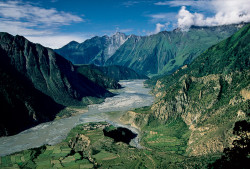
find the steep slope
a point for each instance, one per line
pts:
(191, 122)
(49, 72)
(165, 52)
(209, 95)
(108, 76)
(93, 51)
(97, 76)
(22, 106)
(120, 72)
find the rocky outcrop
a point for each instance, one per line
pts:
(136, 120)
(198, 101)
(79, 143)
(189, 93)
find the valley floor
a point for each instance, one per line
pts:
(87, 147)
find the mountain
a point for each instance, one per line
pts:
(165, 52)
(200, 116)
(119, 72)
(49, 72)
(96, 50)
(22, 105)
(200, 111)
(108, 76)
(210, 95)
(36, 84)
(97, 76)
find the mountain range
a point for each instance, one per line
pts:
(199, 119)
(162, 53)
(96, 50)
(37, 83)
(210, 96)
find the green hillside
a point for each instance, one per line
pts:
(165, 52)
(96, 50)
(210, 95)
(200, 119)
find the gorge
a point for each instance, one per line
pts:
(197, 114)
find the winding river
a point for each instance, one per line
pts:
(133, 95)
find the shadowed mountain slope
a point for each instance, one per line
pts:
(49, 72)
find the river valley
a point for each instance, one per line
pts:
(133, 95)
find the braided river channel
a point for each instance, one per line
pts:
(132, 95)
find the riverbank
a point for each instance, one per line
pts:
(133, 95)
(86, 146)
(71, 111)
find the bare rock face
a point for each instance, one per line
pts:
(115, 42)
(134, 119)
(79, 143)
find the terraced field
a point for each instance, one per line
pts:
(85, 147)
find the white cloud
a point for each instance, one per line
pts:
(225, 12)
(158, 28)
(204, 4)
(17, 10)
(35, 23)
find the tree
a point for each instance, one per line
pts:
(239, 155)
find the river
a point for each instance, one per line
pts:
(133, 95)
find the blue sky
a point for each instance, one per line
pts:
(53, 23)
